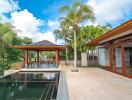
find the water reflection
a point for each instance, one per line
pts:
(29, 86)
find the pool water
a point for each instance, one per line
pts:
(29, 86)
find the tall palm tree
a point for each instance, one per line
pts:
(76, 14)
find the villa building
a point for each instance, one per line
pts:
(115, 49)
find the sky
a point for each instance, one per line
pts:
(38, 18)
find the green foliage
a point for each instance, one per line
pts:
(77, 13)
(88, 33)
(26, 41)
(9, 37)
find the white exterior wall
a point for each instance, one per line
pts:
(84, 60)
(103, 57)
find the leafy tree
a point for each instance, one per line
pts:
(15, 55)
(26, 41)
(88, 33)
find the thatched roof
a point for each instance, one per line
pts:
(44, 43)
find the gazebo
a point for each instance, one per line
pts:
(37, 47)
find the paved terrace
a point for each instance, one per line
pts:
(97, 84)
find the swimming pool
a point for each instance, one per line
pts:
(29, 86)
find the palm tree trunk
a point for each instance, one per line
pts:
(75, 53)
(66, 53)
(67, 56)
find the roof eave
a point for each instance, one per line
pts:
(122, 28)
(39, 47)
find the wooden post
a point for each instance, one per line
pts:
(57, 57)
(123, 61)
(26, 58)
(37, 57)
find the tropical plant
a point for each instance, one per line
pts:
(88, 33)
(76, 14)
(6, 36)
(63, 33)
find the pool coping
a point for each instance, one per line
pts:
(41, 69)
(62, 93)
(8, 72)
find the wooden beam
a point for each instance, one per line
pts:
(30, 47)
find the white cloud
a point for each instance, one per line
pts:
(26, 22)
(29, 26)
(111, 10)
(7, 6)
(3, 18)
(39, 36)
(53, 24)
(89, 23)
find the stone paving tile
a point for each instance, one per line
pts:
(97, 84)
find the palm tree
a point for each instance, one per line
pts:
(76, 14)
(6, 33)
(6, 36)
(62, 33)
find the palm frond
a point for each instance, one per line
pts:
(64, 9)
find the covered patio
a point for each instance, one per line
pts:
(115, 49)
(37, 49)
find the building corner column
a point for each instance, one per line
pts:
(57, 56)
(26, 58)
(38, 57)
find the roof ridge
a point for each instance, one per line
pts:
(44, 43)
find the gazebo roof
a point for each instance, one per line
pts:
(41, 45)
(44, 43)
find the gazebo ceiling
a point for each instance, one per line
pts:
(41, 45)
